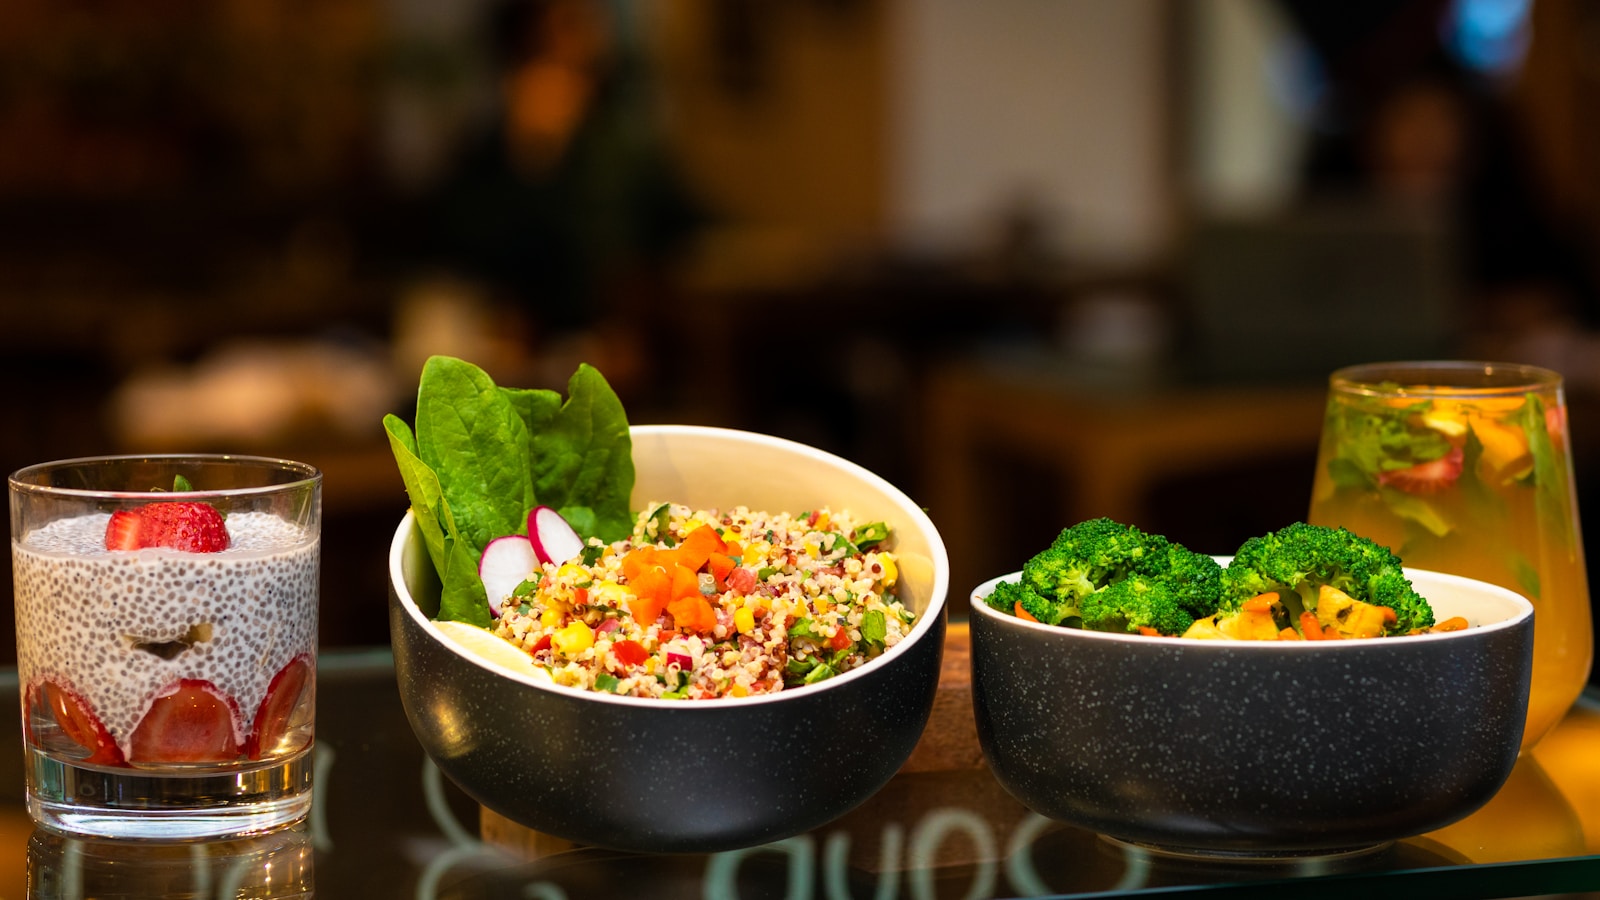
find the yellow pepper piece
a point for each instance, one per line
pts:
(738, 690)
(744, 620)
(551, 617)
(891, 572)
(573, 639)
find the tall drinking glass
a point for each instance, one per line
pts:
(1465, 467)
(166, 612)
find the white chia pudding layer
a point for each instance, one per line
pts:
(120, 627)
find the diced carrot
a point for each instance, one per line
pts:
(1311, 628)
(698, 546)
(1261, 602)
(637, 560)
(1389, 618)
(685, 583)
(1022, 613)
(1454, 623)
(721, 564)
(1147, 631)
(733, 548)
(1289, 634)
(692, 613)
(652, 588)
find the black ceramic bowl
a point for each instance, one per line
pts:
(1256, 748)
(687, 776)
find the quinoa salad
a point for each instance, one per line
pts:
(700, 604)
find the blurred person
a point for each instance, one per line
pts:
(568, 206)
(1410, 126)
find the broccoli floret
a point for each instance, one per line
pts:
(1007, 596)
(1070, 582)
(1297, 560)
(1137, 601)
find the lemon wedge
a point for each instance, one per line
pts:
(491, 648)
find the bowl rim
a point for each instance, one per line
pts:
(1524, 611)
(927, 620)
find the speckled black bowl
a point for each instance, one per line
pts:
(1256, 748)
(691, 776)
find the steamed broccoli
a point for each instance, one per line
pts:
(1106, 576)
(1297, 560)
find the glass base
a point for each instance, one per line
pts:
(210, 803)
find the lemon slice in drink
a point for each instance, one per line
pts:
(491, 648)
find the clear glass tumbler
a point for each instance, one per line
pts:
(166, 612)
(1466, 467)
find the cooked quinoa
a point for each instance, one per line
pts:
(697, 604)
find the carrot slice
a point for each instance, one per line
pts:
(1311, 628)
(1022, 613)
(692, 613)
(1261, 602)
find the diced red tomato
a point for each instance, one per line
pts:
(630, 653)
(542, 643)
(840, 639)
(742, 580)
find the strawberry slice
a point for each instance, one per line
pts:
(188, 525)
(191, 722)
(1425, 478)
(278, 711)
(76, 720)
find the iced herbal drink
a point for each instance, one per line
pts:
(166, 613)
(1465, 468)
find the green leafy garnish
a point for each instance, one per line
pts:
(874, 628)
(482, 456)
(181, 485)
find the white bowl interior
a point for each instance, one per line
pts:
(721, 468)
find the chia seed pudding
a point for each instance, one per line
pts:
(119, 628)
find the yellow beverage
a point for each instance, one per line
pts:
(1466, 468)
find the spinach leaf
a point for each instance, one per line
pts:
(462, 596)
(583, 456)
(482, 456)
(469, 433)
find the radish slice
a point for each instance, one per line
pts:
(506, 563)
(554, 541)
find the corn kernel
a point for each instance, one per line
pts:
(573, 639)
(551, 617)
(609, 593)
(891, 572)
(744, 620)
(572, 572)
(738, 690)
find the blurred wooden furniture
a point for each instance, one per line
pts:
(1106, 449)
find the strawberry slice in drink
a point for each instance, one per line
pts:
(178, 525)
(277, 715)
(193, 721)
(76, 720)
(1426, 478)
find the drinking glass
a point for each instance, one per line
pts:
(168, 685)
(1466, 468)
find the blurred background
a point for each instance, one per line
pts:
(1033, 261)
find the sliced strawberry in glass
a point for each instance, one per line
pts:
(77, 721)
(192, 722)
(288, 689)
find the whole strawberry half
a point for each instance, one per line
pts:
(179, 525)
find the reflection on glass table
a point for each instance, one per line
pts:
(385, 823)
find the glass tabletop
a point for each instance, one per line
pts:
(386, 823)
